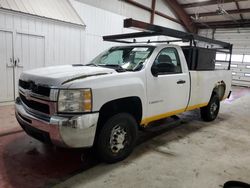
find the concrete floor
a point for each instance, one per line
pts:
(190, 154)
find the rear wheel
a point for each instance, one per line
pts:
(117, 138)
(210, 112)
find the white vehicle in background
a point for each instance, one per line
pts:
(103, 103)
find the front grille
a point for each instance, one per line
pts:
(41, 90)
(35, 105)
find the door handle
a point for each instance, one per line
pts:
(181, 82)
(18, 64)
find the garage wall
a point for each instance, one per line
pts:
(34, 42)
(98, 23)
(106, 18)
(62, 40)
(240, 38)
(130, 11)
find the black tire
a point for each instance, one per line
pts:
(210, 112)
(122, 128)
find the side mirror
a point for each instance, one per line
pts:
(155, 70)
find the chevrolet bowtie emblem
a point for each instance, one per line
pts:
(27, 94)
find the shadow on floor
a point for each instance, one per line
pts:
(26, 162)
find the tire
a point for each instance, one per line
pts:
(122, 128)
(210, 112)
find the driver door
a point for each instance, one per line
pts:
(168, 90)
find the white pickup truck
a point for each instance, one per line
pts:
(103, 103)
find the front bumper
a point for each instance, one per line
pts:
(74, 132)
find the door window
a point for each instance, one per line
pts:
(167, 62)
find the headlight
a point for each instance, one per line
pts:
(75, 101)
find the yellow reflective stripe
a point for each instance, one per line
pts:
(161, 116)
(224, 98)
(196, 106)
(147, 120)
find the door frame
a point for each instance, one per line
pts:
(12, 32)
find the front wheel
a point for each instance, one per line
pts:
(210, 112)
(117, 138)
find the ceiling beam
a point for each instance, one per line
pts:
(149, 9)
(182, 15)
(152, 16)
(205, 3)
(238, 8)
(225, 24)
(240, 11)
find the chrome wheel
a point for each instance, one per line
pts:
(117, 139)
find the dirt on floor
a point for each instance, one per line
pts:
(193, 155)
(188, 154)
(8, 123)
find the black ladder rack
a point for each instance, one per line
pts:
(149, 30)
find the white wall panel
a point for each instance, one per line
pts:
(130, 11)
(61, 43)
(98, 22)
(121, 8)
(168, 23)
(162, 6)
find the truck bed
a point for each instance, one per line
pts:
(203, 82)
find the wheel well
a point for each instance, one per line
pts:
(131, 105)
(220, 89)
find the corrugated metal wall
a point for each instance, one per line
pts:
(240, 38)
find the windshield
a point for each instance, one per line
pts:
(128, 58)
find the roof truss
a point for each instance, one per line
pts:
(205, 3)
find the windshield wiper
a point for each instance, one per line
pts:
(118, 68)
(91, 64)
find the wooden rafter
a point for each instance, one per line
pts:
(238, 8)
(153, 11)
(182, 15)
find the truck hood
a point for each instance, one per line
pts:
(60, 75)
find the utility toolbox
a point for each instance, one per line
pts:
(199, 58)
